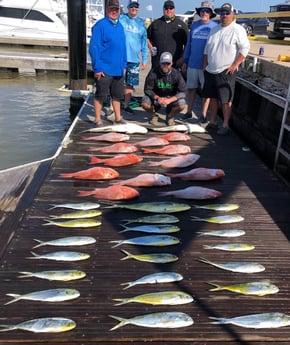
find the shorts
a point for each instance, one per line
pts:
(220, 86)
(132, 74)
(109, 86)
(195, 78)
(148, 100)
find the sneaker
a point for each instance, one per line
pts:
(192, 120)
(212, 125)
(129, 110)
(223, 131)
(99, 124)
(154, 121)
(186, 116)
(120, 122)
(202, 119)
(170, 121)
(111, 117)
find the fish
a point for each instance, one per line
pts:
(158, 298)
(146, 180)
(115, 148)
(188, 127)
(52, 295)
(263, 320)
(239, 267)
(59, 275)
(118, 160)
(75, 223)
(156, 320)
(169, 150)
(155, 207)
(77, 214)
(110, 137)
(150, 240)
(154, 219)
(67, 241)
(161, 258)
(153, 228)
(231, 247)
(219, 207)
(96, 173)
(175, 136)
(193, 192)
(115, 192)
(199, 174)
(42, 325)
(254, 288)
(61, 256)
(155, 278)
(180, 161)
(83, 206)
(128, 128)
(155, 141)
(220, 219)
(223, 233)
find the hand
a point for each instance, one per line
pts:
(99, 75)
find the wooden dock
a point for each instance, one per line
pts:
(264, 203)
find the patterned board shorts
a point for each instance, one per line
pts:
(132, 74)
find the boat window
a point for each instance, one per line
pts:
(21, 13)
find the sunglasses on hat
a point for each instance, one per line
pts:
(134, 6)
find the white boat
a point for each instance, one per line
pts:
(42, 19)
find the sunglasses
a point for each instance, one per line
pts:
(134, 6)
(169, 8)
(225, 13)
(206, 10)
(165, 63)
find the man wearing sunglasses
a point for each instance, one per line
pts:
(167, 34)
(164, 87)
(227, 46)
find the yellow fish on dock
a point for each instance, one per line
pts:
(219, 207)
(231, 247)
(220, 219)
(58, 275)
(239, 267)
(155, 207)
(78, 214)
(76, 223)
(161, 258)
(253, 288)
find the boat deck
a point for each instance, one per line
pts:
(264, 204)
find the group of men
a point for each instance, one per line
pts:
(206, 57)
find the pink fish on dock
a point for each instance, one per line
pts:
(146, 180)
(169, 150)
(110, 137)
(193, 192)
(115, 148)
(175, 136)
(199, 174)
(115, 192)
(120, 160)
(97, 173)
(154, 141)
(181, 161)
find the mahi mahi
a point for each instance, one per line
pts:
(150, 240)
(158, 258)
(155, 207)
(154, 219)
(220, 219)
(155, 278)
(75, 223)
(253, 288)
(84, 206)
(231, 247)
(67, 241)
(152, 228)
(58, 275)
(78, 214)
(61, 256)
(240, 267)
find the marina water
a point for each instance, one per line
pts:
(34, 116)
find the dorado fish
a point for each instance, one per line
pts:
(96, 173)
(231, 247)
(146, 180)
(175, 136)
(193, 192)
(61, 256)
(60, 275)
(151, 240)
(155, 278)
(223, 233)
(115, 148)
(161, 258)
(253, 288)
(158, 298)
(155, 207)
(219, 207)
(78, 214)
(264, 320)
(154, 219)
(120, 160)
(156, 320)
(75, 223)
(129, 128)
(110, 137)
(42, 325)
(188, 127)
(84, 206)
(181, 161)
(157, 229)
(115, 192)
(169, 150)
(199, 174)
(220, 219)
(52, 295)
(155, 141)
(67, 241)
(240, 267)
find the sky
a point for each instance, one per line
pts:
(183, 5)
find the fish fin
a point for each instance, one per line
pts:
(125, 228)
(129, 284)
(120, 300)
(199, 233)
(216, 287)
(95, 160)
(118, 243)
(195, 218)
(66, 175)
(53, 206)
(206, 261)
(49, 222)
(25, 274)
(122, 322)
(16, 298)
(205, 246)
(129, 255)
(218, 320)
(6, 328)
(35, 256)
(85, 193)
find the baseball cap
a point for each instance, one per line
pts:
(166, 57)
(227, 7)
(113, 3)
(133, 2)
(206, 4)
(168, 3)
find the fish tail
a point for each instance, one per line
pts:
(153, 164)
(201, 259)
(6, 328)
(25, 274)
(163, 193)
(120, 300)
(52, 206)
(35, 256)
(205, 246)
(218, 320)
(199, 233)
(118, 243)
(92, 149)
(194, 218)
(16, 298)
(128, 285)
(125, 228)
(127, 221)
(146, 150)
(84, 193)
(95, 160)
(85, 138)
(49, 222)
(129, 255)
(216, 287)
(66, 175)
(40, 243)
(122, 322)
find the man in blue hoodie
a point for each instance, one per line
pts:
(109, 59)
